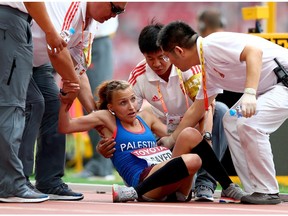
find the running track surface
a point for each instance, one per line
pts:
(98, 201)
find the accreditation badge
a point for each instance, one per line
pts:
(153, 155)
(192, 85)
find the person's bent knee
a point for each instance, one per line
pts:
(193, 162)
(221, 108)
(191, 134)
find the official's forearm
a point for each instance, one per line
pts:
(85, 95)
(64, 66)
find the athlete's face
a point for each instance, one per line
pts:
(124, 104)
(103, 11)
(157, 63)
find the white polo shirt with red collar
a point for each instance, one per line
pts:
(148, 85)
(65, 15)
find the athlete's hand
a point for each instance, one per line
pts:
(106, 147)
(68, 93)
(248, 105)
(167, 141)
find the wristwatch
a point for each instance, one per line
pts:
(207, 135)
(62, 92)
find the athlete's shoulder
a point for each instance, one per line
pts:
(139, 70)
(143, 115)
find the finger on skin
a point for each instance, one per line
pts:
(69, 83)
(65, 81)
(74, 85)
(71, 86)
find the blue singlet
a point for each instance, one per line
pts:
(127, 165)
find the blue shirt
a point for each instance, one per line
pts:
(128, 165)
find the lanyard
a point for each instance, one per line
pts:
(181, 86)
(203, 77)
(85, 52)
(87, 57)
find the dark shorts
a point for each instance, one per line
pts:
(145, 173)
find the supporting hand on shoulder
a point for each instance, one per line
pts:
(106, 147)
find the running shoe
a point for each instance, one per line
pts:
(25, 196)
(203, 194)
(232, 194)
(123, 193)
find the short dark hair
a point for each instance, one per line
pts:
(147, 40)
(176, 33)
(211, 19)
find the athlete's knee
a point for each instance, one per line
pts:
(190, 135)
(193, 162)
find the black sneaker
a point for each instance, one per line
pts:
(32, 187)
(62, 192)
(261, 198)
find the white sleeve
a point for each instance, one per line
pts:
(224, 47)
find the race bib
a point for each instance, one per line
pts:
(153, 155)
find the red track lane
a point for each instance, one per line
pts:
(101, 203)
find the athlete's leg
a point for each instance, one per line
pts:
(183, 169)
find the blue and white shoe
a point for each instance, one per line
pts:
(203, 194)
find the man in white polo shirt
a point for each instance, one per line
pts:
(242, 63)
